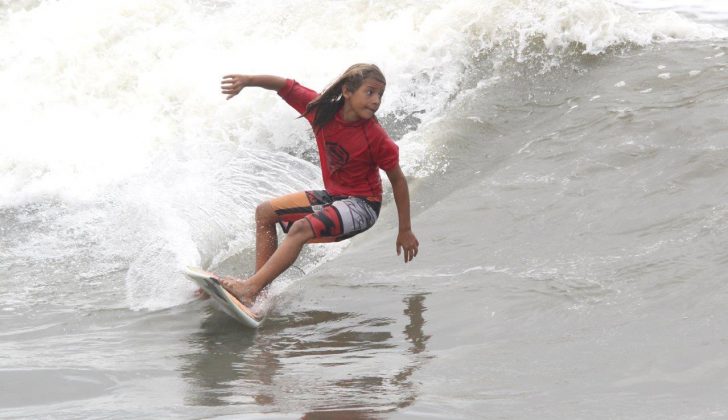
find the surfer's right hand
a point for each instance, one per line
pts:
(232, 84)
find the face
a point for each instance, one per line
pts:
(363, 102)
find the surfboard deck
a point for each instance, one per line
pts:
(210, 283)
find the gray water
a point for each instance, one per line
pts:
(571, 210)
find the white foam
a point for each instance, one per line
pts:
(93, 90)
(704, 10)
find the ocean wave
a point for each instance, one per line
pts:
(93, 90)
(115, 107)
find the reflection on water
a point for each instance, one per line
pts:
(328, 364)
(413, 331)
(219, 346)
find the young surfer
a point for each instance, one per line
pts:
(352, 148)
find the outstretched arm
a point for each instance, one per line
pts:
(406, 239)
(232, 84)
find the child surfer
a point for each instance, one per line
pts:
(352, 148)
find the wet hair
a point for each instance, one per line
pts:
(326, 105)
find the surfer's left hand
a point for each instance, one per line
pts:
(407, 241)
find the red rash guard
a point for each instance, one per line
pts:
(351, 153)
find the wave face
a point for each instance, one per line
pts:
(566, 162)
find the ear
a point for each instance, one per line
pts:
(345, 92)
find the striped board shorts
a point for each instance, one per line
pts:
(332, 218)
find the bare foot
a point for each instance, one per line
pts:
(201, 294)
(240, 290)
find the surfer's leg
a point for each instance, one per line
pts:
(283, 257)
(340, 219)
(266, 241)
(286, 210)
(266, 237)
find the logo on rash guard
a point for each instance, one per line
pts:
(336, 156)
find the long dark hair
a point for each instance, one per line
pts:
(326, 105)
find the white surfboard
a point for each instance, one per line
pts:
(210, 283)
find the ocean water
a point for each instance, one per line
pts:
(567, 167)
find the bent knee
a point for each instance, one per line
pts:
(301, 229)
(264, 213)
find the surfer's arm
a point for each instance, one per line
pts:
(232, 84)
(406, 239)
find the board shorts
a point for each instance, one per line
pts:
(332, 218)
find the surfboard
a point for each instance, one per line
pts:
(210, 283)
